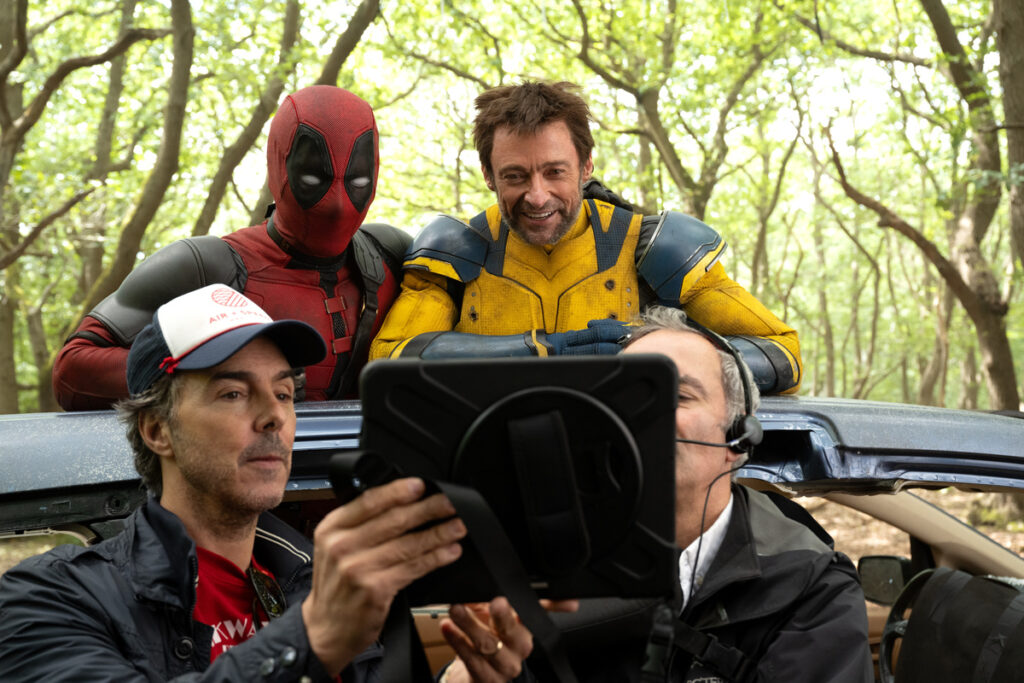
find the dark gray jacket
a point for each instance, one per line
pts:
(122, 611)
(775, 591)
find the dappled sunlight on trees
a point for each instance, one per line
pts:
(863, 160)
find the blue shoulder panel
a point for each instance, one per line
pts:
(495, 264)
(676, 245)
(451, 241)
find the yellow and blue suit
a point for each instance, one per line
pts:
(482, 280)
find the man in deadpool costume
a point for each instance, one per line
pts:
(309, 260)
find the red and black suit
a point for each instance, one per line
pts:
(310, 260)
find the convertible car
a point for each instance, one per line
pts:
(73, 473)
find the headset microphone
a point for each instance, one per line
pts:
(746, 431)
(749, 435)
(726, 444)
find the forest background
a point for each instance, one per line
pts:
(864, 160)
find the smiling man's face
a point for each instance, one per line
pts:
(539, 181)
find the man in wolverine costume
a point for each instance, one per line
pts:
(309, 260)
(560, 263)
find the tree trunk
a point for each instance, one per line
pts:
(905, 379)
(266, 106)
(89, 247)
(90, 239)
(8, 306)
(997, 361)
(8, 376)
(971, 281)
(969, 382)
(41, 356)
(166, 165)
(8, 313)
(1009, 21)
(645, 169)
(827, 334)
(934, 368)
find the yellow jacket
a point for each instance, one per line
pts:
(483, 279)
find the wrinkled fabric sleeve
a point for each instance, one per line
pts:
(89, 371)
(422, 306)
(825, 637)
(251, 660)
(54, 628)
(721, 304)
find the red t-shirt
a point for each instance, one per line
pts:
(224, 600)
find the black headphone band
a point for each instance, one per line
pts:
(746, 431)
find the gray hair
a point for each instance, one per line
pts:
(657, 318)
(159, 399)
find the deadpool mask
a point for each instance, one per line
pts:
(322, 167)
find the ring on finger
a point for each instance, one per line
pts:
(494, 651)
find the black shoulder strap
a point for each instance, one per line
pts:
(404, 661)
(503, 564)
(495, 550)
(669, 634)
(372, 266)
(728, 661)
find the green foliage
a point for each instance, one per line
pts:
(900, 127)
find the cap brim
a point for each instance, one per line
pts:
(300, 343)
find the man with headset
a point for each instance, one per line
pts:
(761, 597)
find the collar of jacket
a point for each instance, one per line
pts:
(781, 556)
(736, 561)
(163, 565)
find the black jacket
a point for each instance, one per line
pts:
(775, 591)
(122, 611)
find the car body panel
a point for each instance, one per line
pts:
(61, 469)
(73, 472)
(76, 468)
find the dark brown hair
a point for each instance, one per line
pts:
(160, 398)
(525, 109)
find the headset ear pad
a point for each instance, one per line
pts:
(748, 431)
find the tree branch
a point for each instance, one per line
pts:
(14, 58)
(889, 219)
(709, 170)
(165, 166)
(34, 111)
(584, 54)
(970, 85)
(15, 253)
(963, 77)
(877, 55)
(111, 104)
(266, 105)
(347, 41)
(447, 66)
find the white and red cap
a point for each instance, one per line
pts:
(207, 326)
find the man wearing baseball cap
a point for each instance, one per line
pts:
(204, 582)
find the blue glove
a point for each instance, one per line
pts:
(600, 337)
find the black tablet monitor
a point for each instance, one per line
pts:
(574, 456)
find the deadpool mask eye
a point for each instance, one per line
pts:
(359, 172)
(309, 167)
